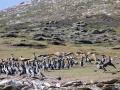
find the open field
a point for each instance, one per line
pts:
(86, 74)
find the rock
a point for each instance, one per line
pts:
(118, 81)
(84, 42)
(43, 87)
(76, 84)
(85, 30)
(5, 82)
(58, 85)
(39, 38)
(112, 81)
(112, 31)
(109, 88)
(37, 35)
(45, 28)
(116, 47)
(48, 85)
(81, 23)
(16, 83)
(96, 32)
(94, 87)
(50, 89)
(30, 45)
(84, 88)
(58, 78)
(9, 35)
(38, 85)
(68, 84)
(12, 83)
(98, 41)
(99, 84)
(26, 88)
(22, 44)
(58, 39)
(26, 82)
(23, 40)
(2, 86)
(10, 88)
(56, 42)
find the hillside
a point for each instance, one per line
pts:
(61, 21)
(58, 30)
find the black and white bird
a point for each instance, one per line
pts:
(12, 57)
(34, 57)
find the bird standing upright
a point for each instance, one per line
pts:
(12, 57)
(34, 56)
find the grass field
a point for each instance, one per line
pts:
(86, 73)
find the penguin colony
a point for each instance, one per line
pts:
(32, 67)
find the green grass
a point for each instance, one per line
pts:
(85, 74)
(117, 29)
(2, 30)
(51, 48)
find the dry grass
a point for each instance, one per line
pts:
(85, 74)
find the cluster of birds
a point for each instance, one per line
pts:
(12, 67)
(33, 67)
(104, 63)
(101, 63)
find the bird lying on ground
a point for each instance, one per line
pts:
(24, 59)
